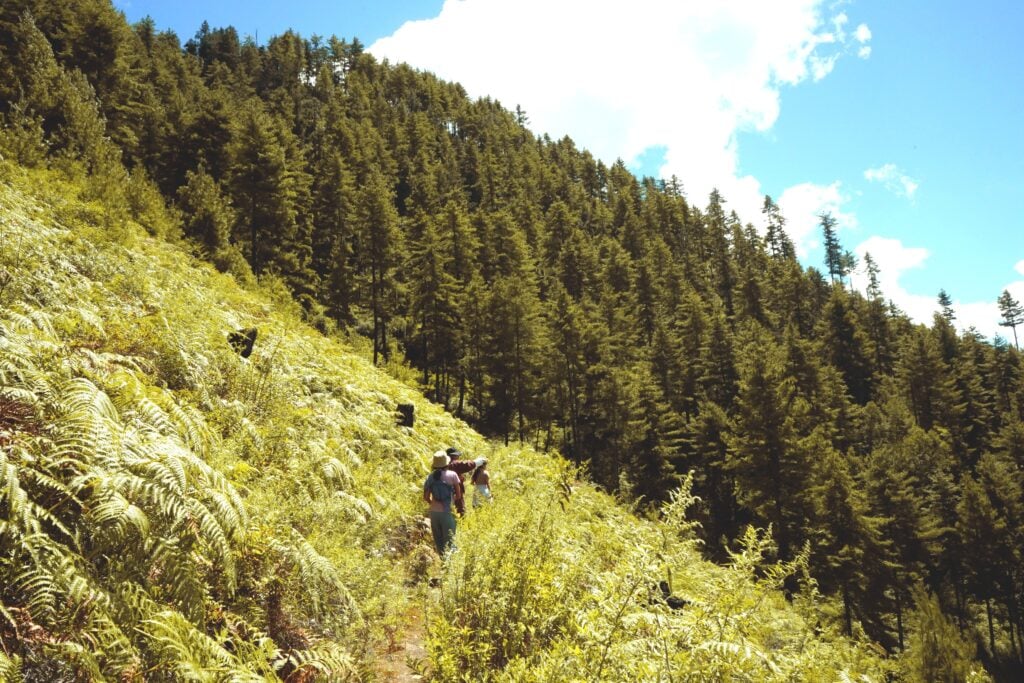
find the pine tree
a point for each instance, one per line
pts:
(894, 491)
(564, 366)
(779, 244)
(1012, 312)
(946, 306)
(379, 253)
(845, 534)
(981, 529)
(763, 455)
(208, 215)
(833, 251)
(433, 308)
(846, 346)
(874, 289)
(334, 237)
(650, 443)
(718, 362)
(267, 190)
(925, 379)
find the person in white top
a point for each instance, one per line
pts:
(481, 484)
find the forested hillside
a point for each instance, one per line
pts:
(172, 511)
(547, 298)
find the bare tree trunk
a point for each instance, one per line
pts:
(991, 629)
(899, 613)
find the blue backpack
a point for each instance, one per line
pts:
(440, 490)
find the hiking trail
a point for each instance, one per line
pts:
(408, 647)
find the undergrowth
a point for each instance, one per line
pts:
(172, 511)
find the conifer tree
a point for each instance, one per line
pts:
(708, 435)
(778, 242)
(845, 345)
(763, 455)
(267, 189)
(946, 306)
(718, 362)
(1012, 312)
(981, 529)
(874, 289)
(208, 219)
(433, 308)
(925, 379)
(380, 249)
(833, 251)
(649, 443)
(893, 489)
(847, 537)
(333, 237)
(564, 365)
(719, 261)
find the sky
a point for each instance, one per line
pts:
(902, 119)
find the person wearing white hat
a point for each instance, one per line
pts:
(481, 484)
(440, 490)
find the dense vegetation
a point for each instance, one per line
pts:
(170, 511)
(548, 298)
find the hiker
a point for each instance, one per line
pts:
(439, 491)
(481, 480)
(460, 467)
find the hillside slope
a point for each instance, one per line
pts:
(171, 511)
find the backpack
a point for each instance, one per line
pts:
(440, 490)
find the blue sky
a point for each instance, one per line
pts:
(901, 118)
(366, 19)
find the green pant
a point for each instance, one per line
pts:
(442, 526)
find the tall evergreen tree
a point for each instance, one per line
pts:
(833, 251)
(848, 538)
(846, 346)
(1012, 312)
(764, 459)
(433, 308)
(334, 237)
(379, 253)
(779, 244)
(268, 190)
(946, 306)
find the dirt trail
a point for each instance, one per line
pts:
(394, 666)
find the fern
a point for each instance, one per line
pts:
(10, 668)
(329, 661)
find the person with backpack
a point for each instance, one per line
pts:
(460, 468)
(440, 490)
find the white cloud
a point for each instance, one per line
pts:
(894, 180)
(894, 259)
(864, 52)
(862, 34)
(803, 204)
(622, 77)
(1019, 267)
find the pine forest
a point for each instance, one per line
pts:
(712, 461)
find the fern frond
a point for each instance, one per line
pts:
(10, 668)
(193, 655)
(84, 660)
(316, 574)
(357, 505)
(176, 573)
(213, 535)
(329, 660)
